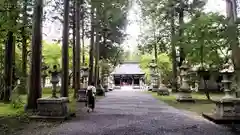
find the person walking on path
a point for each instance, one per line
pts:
(91, 93)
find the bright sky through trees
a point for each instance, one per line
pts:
(53, 30)
(133, 28)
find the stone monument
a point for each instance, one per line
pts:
(100, 89)
(154, 76)
(184, 94)
(228, 107)
(193, 80)
(155, 81)
(105, 82)
(83, 88)
(110, 83)
(53, 107)
(162, 90)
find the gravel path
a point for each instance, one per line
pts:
(132, 112)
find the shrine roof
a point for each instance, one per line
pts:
(128, 68)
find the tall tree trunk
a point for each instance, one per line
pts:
(9, 64)
(65, 57)
(91, 52)
(8, 67)
(14, 64)
(155, 45)
(201, 49)
(174, 63)
(96, 72)
(74, 44)
(181, 22)
(23, 89)
(155, 52)
(83, 32)
(35, 88)
(77, 53)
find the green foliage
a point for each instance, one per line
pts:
(51, 54)
(16, 101)
(164, 65)
(204, 34)
(112, 15)
(105, 66)
(144, 62)
(205, 41)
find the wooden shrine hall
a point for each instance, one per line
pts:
(128, 74)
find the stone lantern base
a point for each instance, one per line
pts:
(82, 95)
(185, 96)
(100, 90)
(163, 90)
(52, 108)
(226, 111)
(155, 88)
(136, 87)
(105, 87)
(110, 89)
(117, 87)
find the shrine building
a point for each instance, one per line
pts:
(128, 74)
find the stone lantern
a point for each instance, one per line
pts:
(53, 107)
(154, 76)
(110, 83)
(193, 79)
(184, 94)
(162, 90)
(84, 76)
(54, 80)
(227, 74)
(228, 107)
(154, 83)
(82, 90)
(105, 82)
(153, 67)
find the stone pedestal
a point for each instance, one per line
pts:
(185, 97)
(136, 87)
(110, 88)
(52, 108)
(228, 108)
(100, 90)
(163, 90)
(227, 111)
(117, 87)
(149, 88)
(82, 95)
(111, 83)
(184, 94)
(155, 83)
(154, 88)
(105, 87)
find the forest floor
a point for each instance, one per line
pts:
(201, 104)
(13, 119)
